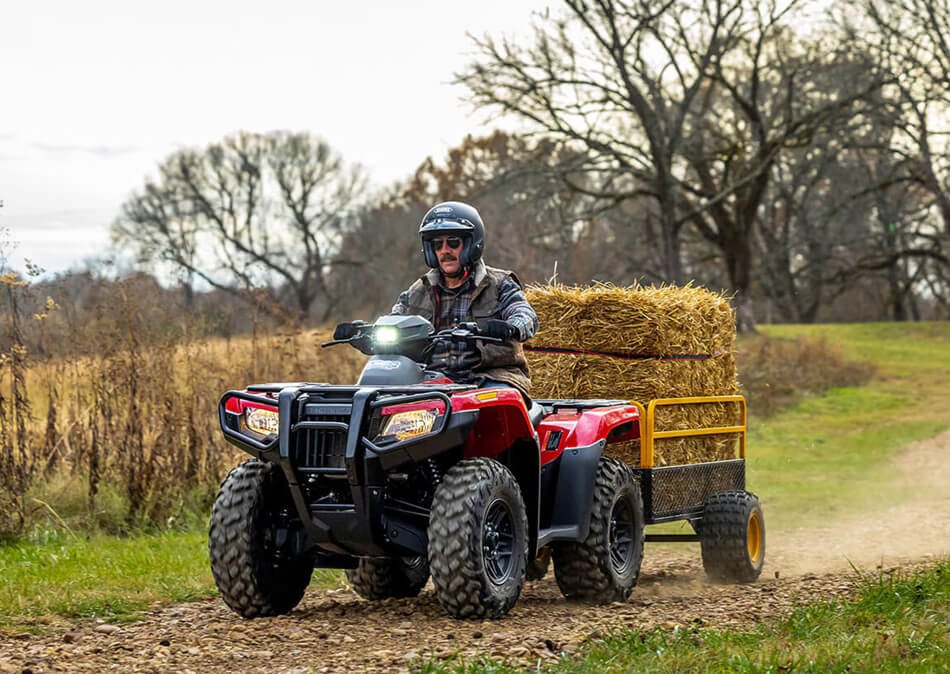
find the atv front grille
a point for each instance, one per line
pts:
(320, 448)
(678, 492)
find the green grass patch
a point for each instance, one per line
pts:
(104, 576)
(835, 453)
(896, 624)
(829, 454)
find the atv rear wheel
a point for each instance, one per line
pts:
(538, 567)
(478, 540)
(254, 576)
(605, 566)
(381, 578)
(732, 537)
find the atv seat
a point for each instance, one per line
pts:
(536, 413)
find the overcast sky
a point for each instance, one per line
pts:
(93, 95)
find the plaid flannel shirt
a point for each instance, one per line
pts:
(454, 307)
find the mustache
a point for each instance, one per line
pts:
(447, 257)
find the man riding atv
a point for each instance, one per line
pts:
(406, 475)
(461, 288)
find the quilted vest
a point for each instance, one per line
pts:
(501, 362)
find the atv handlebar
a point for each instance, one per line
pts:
(463, 332)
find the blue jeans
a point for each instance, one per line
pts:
(492, 383)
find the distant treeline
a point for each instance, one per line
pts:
(795, 155)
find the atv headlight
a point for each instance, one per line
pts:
(261, 421)
(410, 424)
(386, 335)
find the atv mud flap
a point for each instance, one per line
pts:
(570, 513)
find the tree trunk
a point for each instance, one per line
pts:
(672, 262)
(738, 255)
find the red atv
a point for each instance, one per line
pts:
(407, 475)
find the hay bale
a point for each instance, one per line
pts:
(654, 325)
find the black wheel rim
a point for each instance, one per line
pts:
(622, 529)
(413, 562)
(498, 542)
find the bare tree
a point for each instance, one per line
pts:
(802, 242)
(778, 92)
(912, 39)
(617, 79)
(253, 211)
(535, 225)
(908, 39)
(687, 103)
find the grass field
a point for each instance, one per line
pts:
(832, 453)
(897, 624)
(65, 576)
(827, 454)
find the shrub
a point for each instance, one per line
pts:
(776, 373)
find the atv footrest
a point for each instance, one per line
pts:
(671, 538)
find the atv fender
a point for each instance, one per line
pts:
(574, 495)
(524, 461)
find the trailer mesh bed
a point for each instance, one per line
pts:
(680, 492)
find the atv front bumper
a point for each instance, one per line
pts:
(336, 468)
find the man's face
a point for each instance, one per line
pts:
(447, 250)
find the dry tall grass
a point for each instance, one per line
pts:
(137, 421)
(128, 435)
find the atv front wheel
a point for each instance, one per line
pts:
(381, 578)
(478, 540)
(254, 576)
(732, 537)
(605, 566)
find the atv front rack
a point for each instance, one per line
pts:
(327, 434)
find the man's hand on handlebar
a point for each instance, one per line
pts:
(466, 332)
(498, 329)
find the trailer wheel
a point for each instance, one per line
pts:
(381, 578)
(538, 567)
(254, 578)
(732, 537)
(605, 566)
(478, 540)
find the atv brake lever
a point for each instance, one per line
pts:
(333, 342)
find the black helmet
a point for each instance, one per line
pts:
(453, 217)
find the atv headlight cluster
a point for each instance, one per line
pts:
(261, 420)
(386, 334)
(409, 424)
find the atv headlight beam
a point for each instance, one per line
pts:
(386, 335)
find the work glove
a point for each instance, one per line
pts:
(499, 329)
(346, 330)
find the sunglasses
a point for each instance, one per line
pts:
(453, 242)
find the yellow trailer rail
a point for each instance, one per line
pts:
(649, 435)
(680, 491)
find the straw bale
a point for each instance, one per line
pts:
(653, 321)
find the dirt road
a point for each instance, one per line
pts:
(337, 632)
